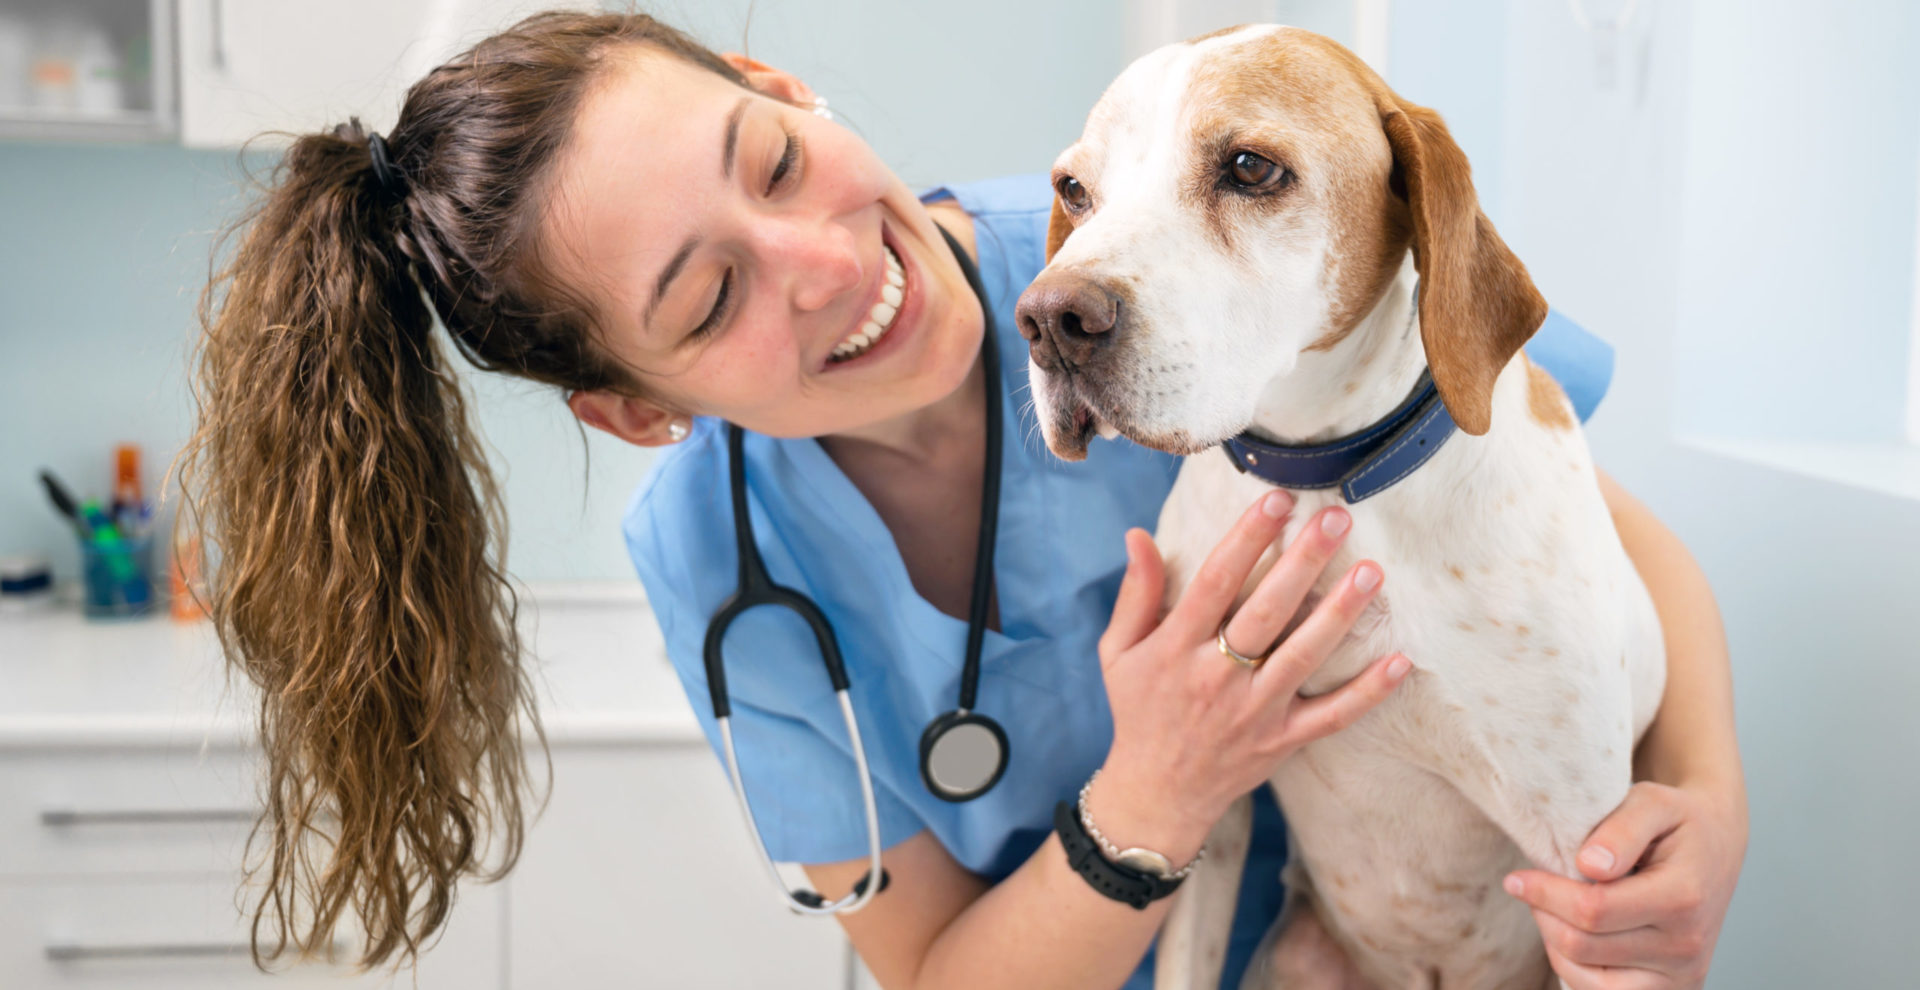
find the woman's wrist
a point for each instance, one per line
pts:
(1130, 812)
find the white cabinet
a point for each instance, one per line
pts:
(86, 69)
(129, 779)
(120, 869)
(640, 874)
(252, 66)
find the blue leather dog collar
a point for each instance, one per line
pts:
(1362, 464)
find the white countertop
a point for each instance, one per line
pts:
(598, 666)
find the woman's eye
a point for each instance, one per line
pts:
(789, 157)
(1250, 171)
(712, 321)
(1072, 193)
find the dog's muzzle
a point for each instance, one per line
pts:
(1068, 319)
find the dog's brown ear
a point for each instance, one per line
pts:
(1477, 304)
(1058, 227)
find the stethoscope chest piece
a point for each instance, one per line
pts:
(962, 755)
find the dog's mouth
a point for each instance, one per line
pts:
(1077, 418)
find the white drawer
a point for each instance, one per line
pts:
(136, 812)
(190, 935)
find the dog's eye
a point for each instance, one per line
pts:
(1250, 171)
(1072, 193)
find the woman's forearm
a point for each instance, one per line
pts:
(1691, 742)
(1045, 926)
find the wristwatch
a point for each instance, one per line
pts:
(1133, 876)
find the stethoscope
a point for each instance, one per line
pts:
(962, 753)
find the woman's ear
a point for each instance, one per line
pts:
(637, 421)
(766, 79)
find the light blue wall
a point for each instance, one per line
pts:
(1741, 208)
(1802, 170)
(104, 247)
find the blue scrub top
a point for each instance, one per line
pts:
(1058, 562)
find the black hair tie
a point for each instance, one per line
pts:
(384, 173)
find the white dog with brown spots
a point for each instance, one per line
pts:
(1235, 246)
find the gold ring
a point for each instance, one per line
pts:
(1235, 655)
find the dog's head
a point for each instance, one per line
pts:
(1238, 200)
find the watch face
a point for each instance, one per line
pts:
(1146, 861)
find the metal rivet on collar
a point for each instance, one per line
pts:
(1251, 458)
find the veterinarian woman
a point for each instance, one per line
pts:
(676, 241)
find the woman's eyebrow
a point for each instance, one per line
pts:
(679, 259)
(733, 136)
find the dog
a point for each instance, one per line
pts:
(1235, 245)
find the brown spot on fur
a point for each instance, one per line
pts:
(1464, 625)
(1520, 630)
(1496, 622)
(1546, 401)
(1552, 651)
(1560, 720)
(1458, 574)
(1058, 227)
(1492, 702)
(1350, 387)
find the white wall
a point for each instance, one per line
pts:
(1684, 217)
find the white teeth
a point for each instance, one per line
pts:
(880, 318)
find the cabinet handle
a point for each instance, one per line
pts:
(219, 35)
(77, 951)
(80, 951)
(67, 817)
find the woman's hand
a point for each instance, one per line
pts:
(1193, 730)
(1664, 865)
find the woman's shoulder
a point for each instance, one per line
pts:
(673, 516)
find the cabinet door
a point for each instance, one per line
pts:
(249, 66)
(127, 933)
(641, 874)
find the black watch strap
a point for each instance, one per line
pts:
(1116, 880)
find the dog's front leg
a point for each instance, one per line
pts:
(1194, 937)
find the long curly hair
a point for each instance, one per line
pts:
(355, 532)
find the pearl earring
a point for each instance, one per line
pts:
(678, 430)
(820, 108)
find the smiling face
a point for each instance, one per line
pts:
(749, 259)
(1228, 206)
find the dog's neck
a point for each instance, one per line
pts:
(1350, 385)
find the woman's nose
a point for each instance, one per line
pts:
(823, 260)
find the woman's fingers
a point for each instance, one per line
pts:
(1648, 814)
(1599, 908)
(1137, 610)
(1307, 647)
(1326, 714)
(1215, 585)
(1635, 947)
(1264, 615)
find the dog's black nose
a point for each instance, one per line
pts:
(1066, 316)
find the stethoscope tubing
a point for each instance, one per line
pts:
(861, 893)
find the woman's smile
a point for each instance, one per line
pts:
(892, 310)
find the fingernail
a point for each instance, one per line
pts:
(1398, 667)
(1276, 504)
(1597, 857)
(1365, 578)
(1334, 522)
(1515, 885)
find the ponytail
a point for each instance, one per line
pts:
(353, 532)
(357, 587)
